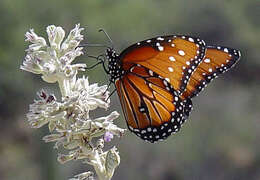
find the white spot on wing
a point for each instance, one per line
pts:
(207, 60)
(141, 109)
(160, 48)
(226, 50)
(181, 52)
(191, 39)
(172, 58)
(160, 38)
(167, 79)
(170, 69)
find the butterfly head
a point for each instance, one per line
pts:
(114, 66)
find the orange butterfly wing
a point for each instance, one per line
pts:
(151, 111)
(173, 58)
(217, 60)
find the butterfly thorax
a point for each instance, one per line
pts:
(115, 69)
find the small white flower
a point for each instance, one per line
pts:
(90, 96)
(38, 42)
(73, 40)
(56, 36)
(44, 110)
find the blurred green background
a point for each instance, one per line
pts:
(221, 138)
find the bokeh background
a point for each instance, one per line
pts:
(221, 138)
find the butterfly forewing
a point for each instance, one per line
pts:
(173, 58)
(217, 60)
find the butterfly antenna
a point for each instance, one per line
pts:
(93, 45)
(108, 37)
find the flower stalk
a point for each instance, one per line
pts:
(68, 119)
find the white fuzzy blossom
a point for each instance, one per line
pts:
(53, 61)
(69, 122)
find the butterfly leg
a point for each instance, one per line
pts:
(110, 94)
(91, 67)
(101, 60)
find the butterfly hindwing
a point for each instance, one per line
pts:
(152, 112)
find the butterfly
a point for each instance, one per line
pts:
(157, 78)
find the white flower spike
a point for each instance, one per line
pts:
(69, 122)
